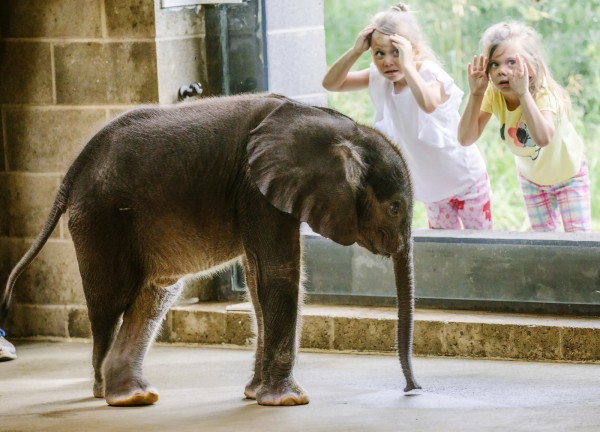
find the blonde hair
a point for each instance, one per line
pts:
(399, 20)
(530, 42)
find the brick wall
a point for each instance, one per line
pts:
(67, 67)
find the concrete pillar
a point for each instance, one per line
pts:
(296, 49)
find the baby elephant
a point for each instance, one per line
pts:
(161, 192)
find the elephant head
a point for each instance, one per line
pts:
(349, 183)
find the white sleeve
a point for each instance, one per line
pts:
(440, 127)
(431, 72)
(376, 91)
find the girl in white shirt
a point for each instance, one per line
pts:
(416, 104)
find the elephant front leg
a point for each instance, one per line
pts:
(256, 380)
(124, 381)
(274, 284)
(278, 297)
(279, 388)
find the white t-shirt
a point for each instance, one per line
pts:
(439, 166)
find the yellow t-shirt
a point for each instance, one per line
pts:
(558, 161)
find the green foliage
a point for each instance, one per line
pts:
(571, 36)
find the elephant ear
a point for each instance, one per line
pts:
(303, 161)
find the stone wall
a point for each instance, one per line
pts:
(67, 67)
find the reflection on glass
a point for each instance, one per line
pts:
(454, 35)
(243, 50)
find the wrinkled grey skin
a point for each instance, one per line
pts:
(161, 192)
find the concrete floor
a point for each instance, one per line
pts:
(48, 388)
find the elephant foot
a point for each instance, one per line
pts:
(134, 398)
(134, 394)
(251, 389)
(99, 389)
(288, 394)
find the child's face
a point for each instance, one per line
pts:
(503, 64)
(386, 56)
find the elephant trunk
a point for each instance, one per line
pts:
(403, 270)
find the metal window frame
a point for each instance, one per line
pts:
(490, 242)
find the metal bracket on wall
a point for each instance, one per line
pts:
(190, 90)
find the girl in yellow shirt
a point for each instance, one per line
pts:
(511, 81)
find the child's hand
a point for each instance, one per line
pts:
(478, 78)
(519, 82)
(405, 49)
(363, 41)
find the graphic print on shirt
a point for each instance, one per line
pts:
(521, 138)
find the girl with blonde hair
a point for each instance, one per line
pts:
(511, 81)
(416, 105)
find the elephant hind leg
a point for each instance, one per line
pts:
(124, 381)
(104, 324)
(112, 276)
(106, 305)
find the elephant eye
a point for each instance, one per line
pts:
(394, 209)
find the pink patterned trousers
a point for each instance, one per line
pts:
(471, 209)
(569, 201)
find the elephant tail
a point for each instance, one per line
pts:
(58, 208)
